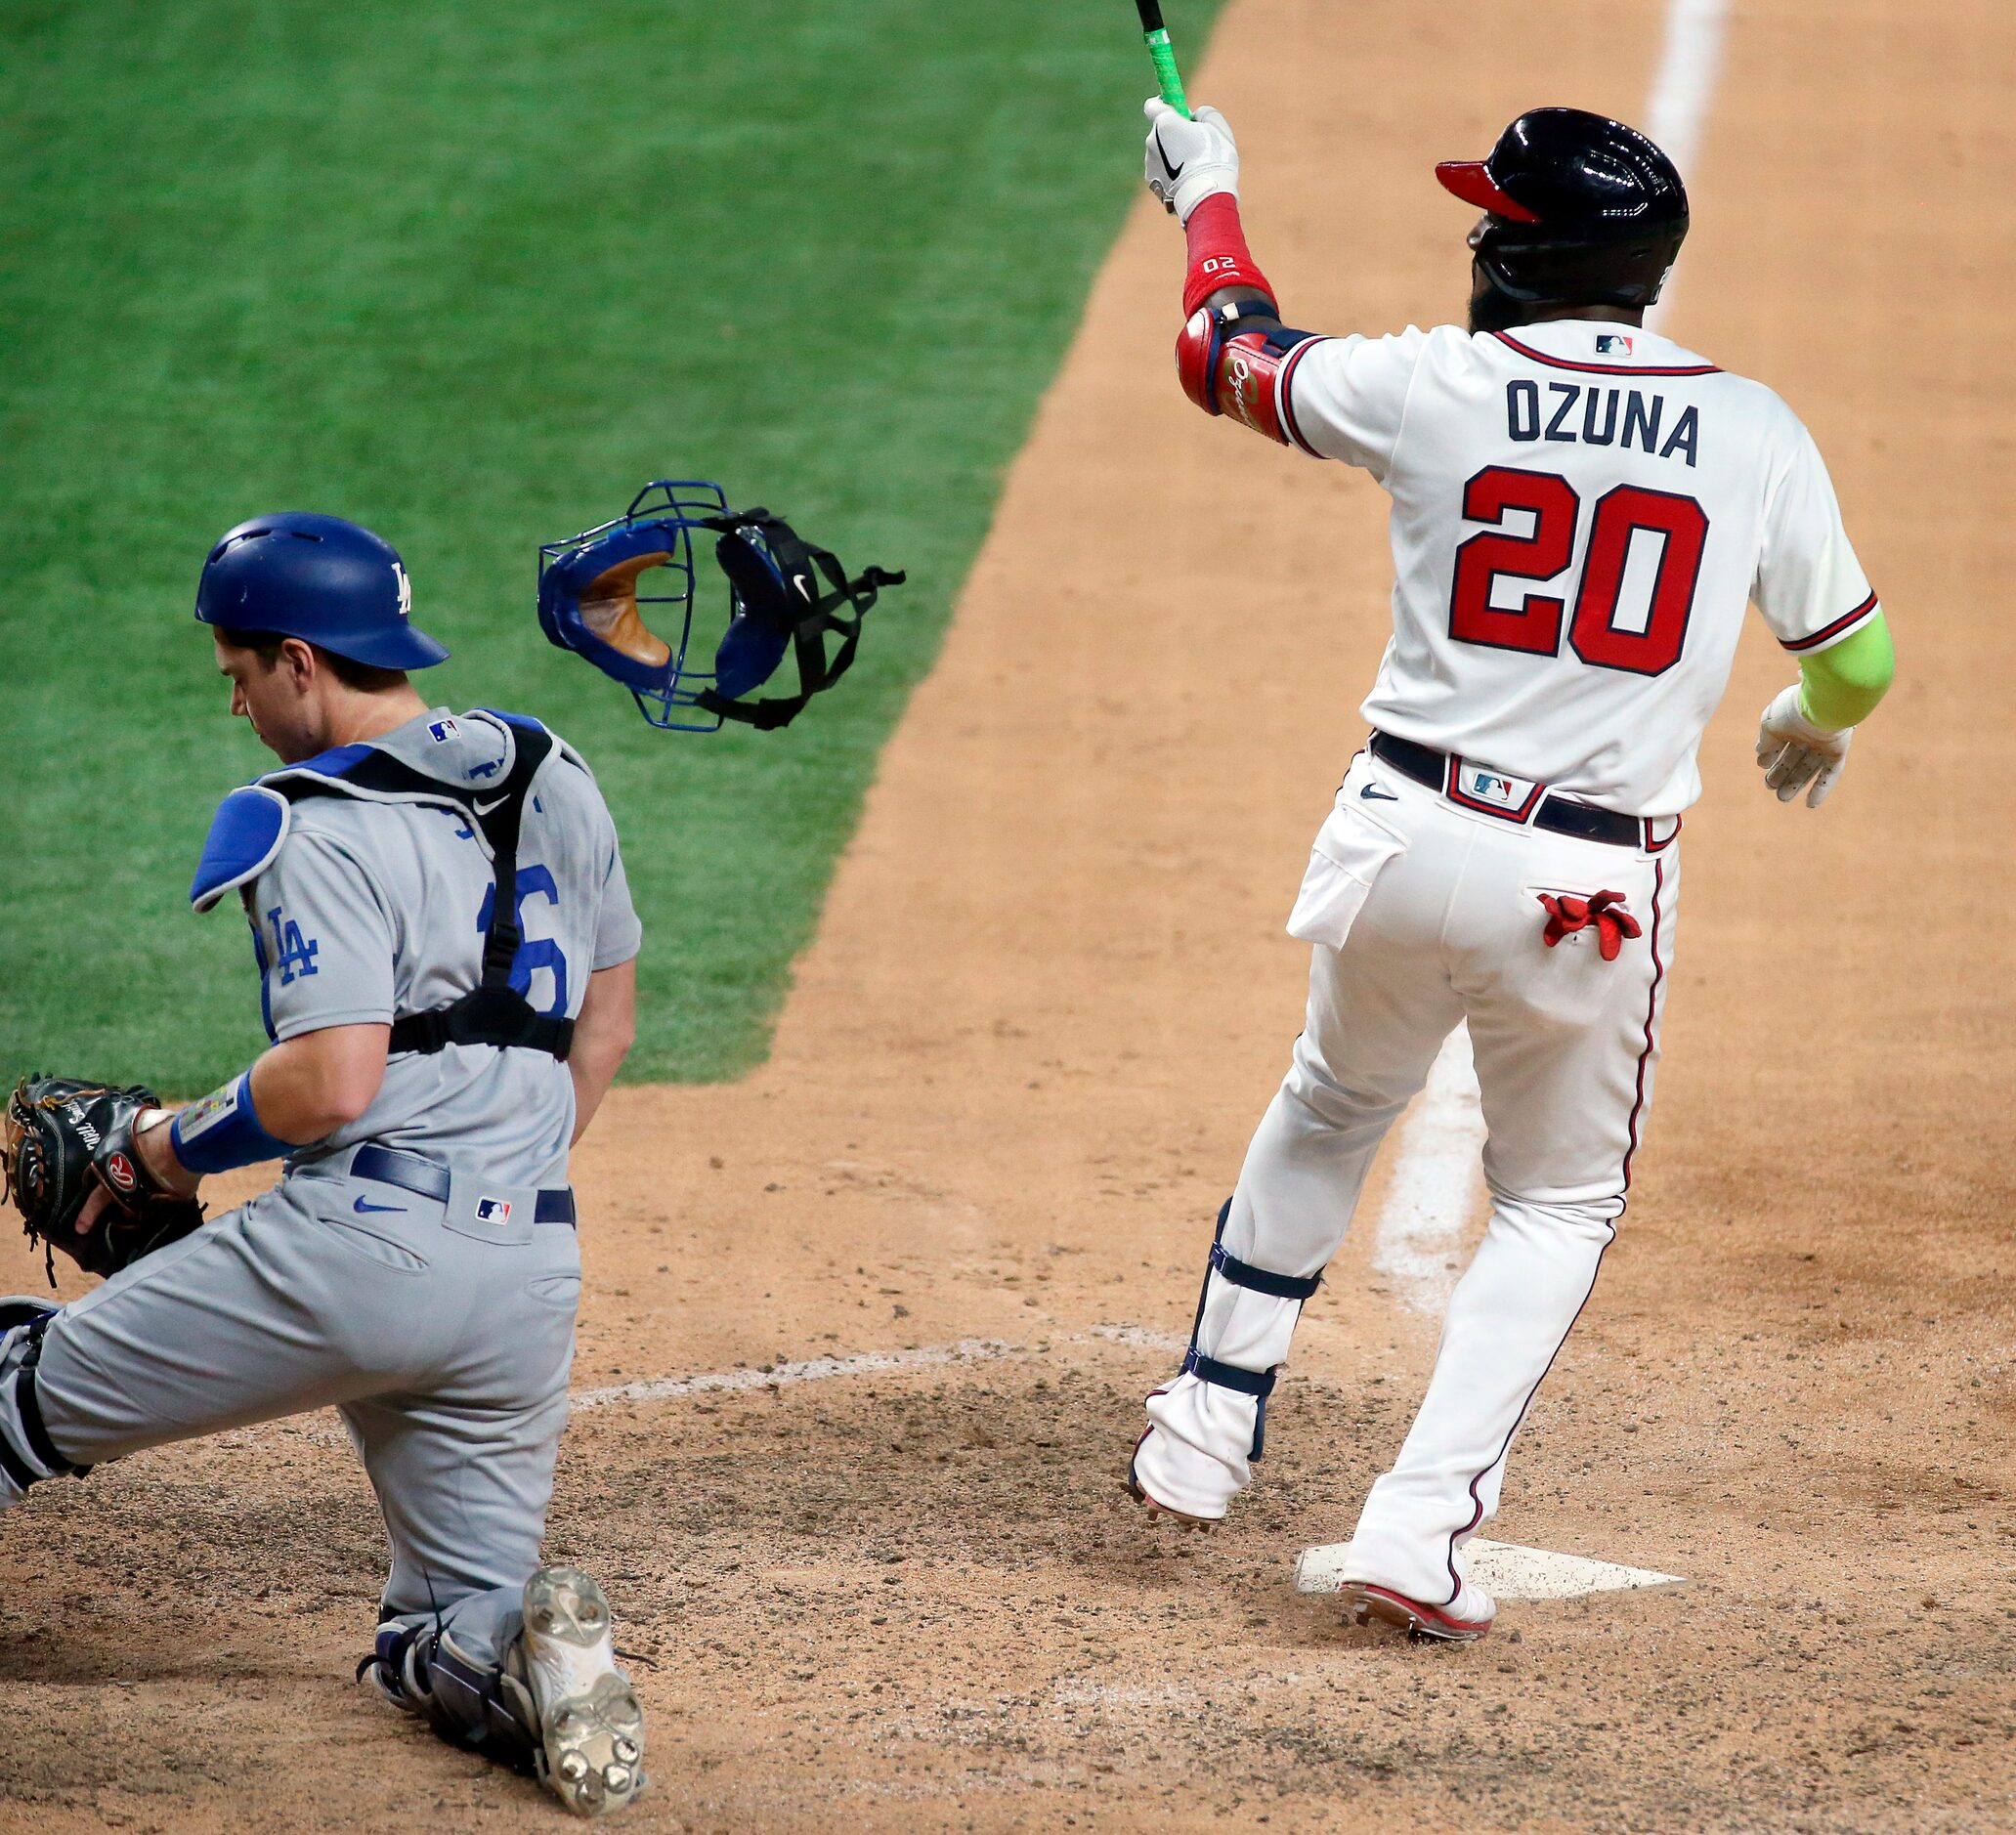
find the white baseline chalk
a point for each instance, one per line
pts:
(1431, 1196)
(1683, 90)
(860, 1363)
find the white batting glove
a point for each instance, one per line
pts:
(1189, 160)
(1792, 749)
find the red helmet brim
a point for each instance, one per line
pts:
(1468, 179)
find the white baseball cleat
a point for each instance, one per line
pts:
(591, 1729)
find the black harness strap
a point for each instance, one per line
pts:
(795, 556)
(493, 1012)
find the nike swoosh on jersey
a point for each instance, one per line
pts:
(484, 809)
(1373, 793)
(364, 1204)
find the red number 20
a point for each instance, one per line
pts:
(1546, 552)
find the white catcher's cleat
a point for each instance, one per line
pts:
(591, 1729)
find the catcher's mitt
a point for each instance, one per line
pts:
(61, 1140)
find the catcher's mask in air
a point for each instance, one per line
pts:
(783, 595)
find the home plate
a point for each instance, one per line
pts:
(1504, 1569)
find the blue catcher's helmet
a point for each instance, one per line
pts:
(590, 603)
(322, 580)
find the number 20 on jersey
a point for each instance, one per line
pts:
(1642, 638)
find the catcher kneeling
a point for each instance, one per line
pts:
(446, 946)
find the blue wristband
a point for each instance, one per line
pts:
(223, 1131)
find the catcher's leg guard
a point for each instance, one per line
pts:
(468, 1699)
(1210, 1423)
(26, 1453)
(551, 1703)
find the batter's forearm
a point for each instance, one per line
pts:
(1234, 354)
(1841, 685)
(1220, 262)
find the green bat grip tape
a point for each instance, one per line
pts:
(1166, 72)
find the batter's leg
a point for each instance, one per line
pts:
(1565, 1046)
(1378, 1012)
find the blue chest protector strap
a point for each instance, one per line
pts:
(493, 1012)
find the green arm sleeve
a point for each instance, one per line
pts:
(1840, 686)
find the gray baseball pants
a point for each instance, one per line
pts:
(447, 1356)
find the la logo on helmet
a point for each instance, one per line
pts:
(406, 590)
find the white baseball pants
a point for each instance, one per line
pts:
(1424, 913)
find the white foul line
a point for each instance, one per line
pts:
(1431, 1197)
(861, 1364)
(1683, 86)
(1683, 89)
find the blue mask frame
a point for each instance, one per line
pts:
(661, 518)
(785, 597)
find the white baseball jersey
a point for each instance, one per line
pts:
(1580, 512)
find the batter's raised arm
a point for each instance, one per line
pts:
(1233, 349)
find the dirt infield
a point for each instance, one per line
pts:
(1049, 998)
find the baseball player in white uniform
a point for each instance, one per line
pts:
(445, 949)
(1581, 510)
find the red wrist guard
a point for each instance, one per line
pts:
(1219, 255)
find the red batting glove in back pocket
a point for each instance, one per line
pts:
(1605, 913)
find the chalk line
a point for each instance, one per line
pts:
(861, 1364)
(1431, 1196)
(1683, 90)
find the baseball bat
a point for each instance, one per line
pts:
(1163, 53)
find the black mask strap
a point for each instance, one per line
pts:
(808, 620)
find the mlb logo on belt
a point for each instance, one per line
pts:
(1488, 787)
(438, 730)
(493, 1210)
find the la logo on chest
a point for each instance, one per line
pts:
(1578, 413)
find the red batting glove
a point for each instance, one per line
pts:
(1568, 914)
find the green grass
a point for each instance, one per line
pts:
(469, 274)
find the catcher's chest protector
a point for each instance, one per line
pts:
(252, 823)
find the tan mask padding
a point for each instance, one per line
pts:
(609, 608)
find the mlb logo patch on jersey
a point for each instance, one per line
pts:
(495, 1210)
(440, 730)
(1613, 344)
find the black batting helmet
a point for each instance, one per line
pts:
(1579, 210)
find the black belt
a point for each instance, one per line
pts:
(407, 1171)
(1558, 815)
